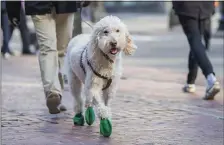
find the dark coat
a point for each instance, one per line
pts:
(195, 9)
(43, 7)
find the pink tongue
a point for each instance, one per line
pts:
(114, 50)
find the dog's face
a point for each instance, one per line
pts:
(112, 36)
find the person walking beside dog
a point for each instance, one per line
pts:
(53, 21)
(192, 15)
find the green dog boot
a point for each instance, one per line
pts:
(78, 119)
(90, 115)
(105, 127)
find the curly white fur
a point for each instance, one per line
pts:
(87, 88)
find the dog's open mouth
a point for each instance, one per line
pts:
(114, 51)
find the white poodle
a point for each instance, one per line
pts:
(94, 65)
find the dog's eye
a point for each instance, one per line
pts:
(117, 30)
(105, 32)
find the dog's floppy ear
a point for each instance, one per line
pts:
(130, 46)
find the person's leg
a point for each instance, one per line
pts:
(213, 86)
(6, 35)
(64, 27)
(24, 31)
(193, 68)
(192, 74)
(192, 31)
(45, 27)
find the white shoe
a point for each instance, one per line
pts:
(212, 91)
(6, 55)
(189, 88)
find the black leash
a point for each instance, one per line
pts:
(81, 64)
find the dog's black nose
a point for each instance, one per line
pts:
(113, 44)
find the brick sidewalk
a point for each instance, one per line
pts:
(150, 109)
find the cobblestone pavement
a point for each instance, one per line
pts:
(150, 109)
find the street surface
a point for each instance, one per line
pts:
(149, 109)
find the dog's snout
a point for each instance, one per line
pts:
(113, 44)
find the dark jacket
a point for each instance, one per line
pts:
(42, 7)
(195, 9)
(45, 7)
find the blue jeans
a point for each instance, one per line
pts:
(6, 33)
(24, 31)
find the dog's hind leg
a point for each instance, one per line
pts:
(76, 88)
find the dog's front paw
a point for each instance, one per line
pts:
(78, 119)
(105, 127)
(89, 115)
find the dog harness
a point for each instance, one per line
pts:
(109, 80)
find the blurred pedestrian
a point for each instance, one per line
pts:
(193, 14)
(5, 30)
(205, 27)
(24, 31)
(53, 21)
